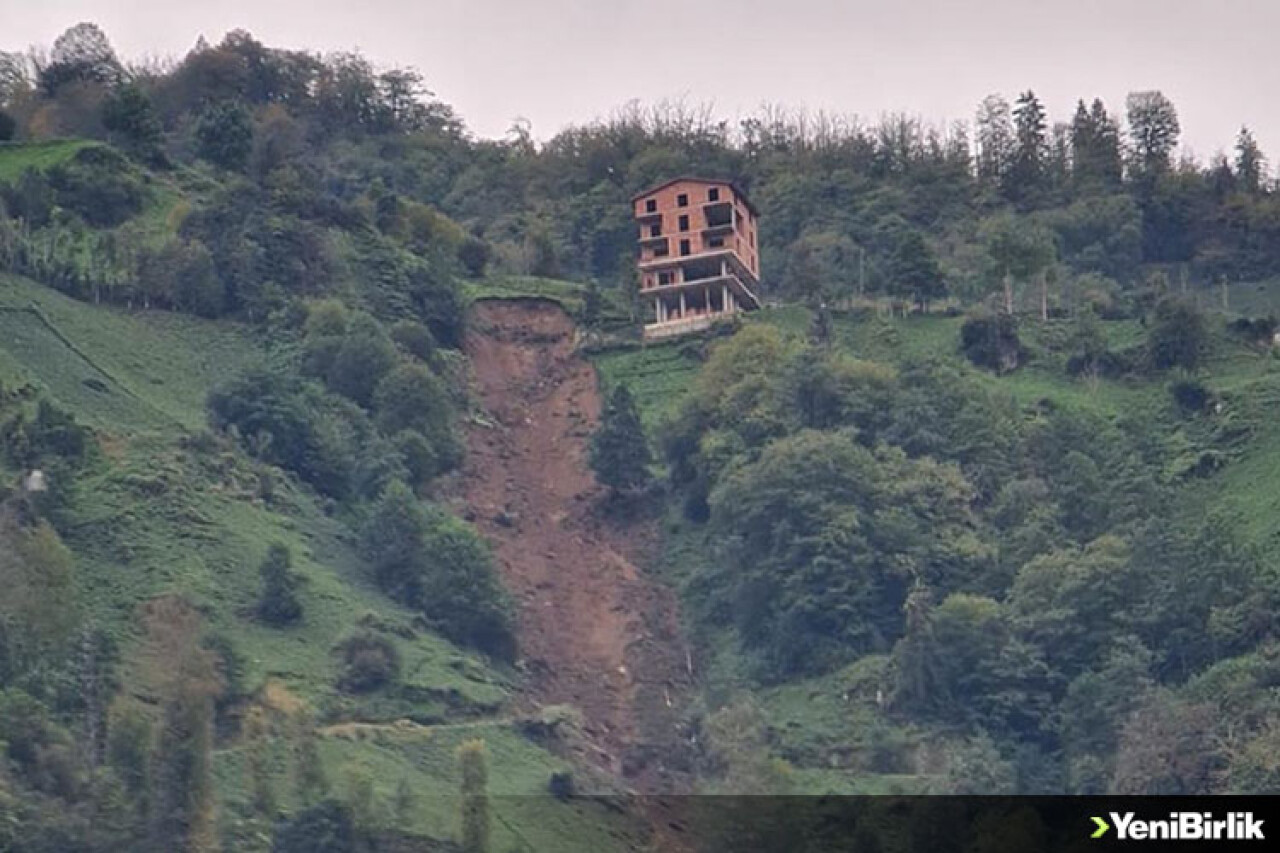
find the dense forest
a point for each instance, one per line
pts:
(988, 478)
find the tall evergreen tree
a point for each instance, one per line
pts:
(1026, 178)
(1251, 165)
(619, 450)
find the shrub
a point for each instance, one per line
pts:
(991, 341)
(1177, 336)
(99, 185)
(368, 662)
(278, 604)
(1260, 330)
(1191, 395)
(414, 338)
(8, 126)
(474, 254)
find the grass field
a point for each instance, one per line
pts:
(164, 363)
(17, 157)
(164, 509)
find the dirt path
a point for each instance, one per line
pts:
(594, 632)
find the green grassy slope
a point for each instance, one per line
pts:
(17, 157)
(163, 508)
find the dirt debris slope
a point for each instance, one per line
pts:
(594, 631)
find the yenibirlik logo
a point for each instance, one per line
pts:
(1182, 826)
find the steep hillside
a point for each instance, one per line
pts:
(595, 633)
(166, 508)
(851, 729)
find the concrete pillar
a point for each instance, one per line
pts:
(724, 300)
(682, 305)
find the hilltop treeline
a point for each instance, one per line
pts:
(1095, 206)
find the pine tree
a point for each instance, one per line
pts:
(619, 450)
(475, 797)
(1251, 165)
(1026, 177)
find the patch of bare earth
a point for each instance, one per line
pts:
(594, 631)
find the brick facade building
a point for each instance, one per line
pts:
(699, 254)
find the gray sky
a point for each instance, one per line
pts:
(557, 62)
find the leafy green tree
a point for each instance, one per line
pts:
(196, 286)
(360, 361)
(1016, 251)
(411, 398)
(996, 141)
(129, 116)
(438, 565)
(224, 135)
(278, 602)
(619, 448)
(1178, 335)
(1153, 131)
(82, 54)
(914, 270)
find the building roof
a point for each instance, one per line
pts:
(737, 190)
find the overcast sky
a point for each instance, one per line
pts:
(557, 62)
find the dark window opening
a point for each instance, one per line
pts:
(713, 194)
(651, 205)
(715, 242)
(684, 222)
(665, 278)
(661, 250)
(655, 230)
(682, 200)
(684, 247)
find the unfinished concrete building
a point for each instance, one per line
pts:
(699, 254)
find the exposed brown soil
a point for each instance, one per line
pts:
(594, 631)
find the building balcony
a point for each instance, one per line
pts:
(651, 240)
(648, 215)
(736, 284)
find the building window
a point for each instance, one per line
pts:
(661, 250)
(651, 205)
(713, 194)
(715, 242)
(684, 222)
(682, 200)
(655, 230)
(665, 278)
(684, 247)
